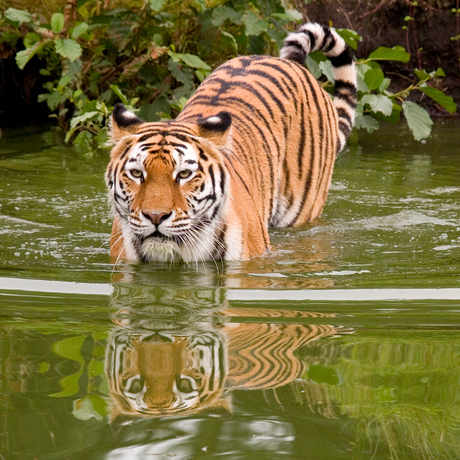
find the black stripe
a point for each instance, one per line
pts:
(312, 37)
(297, 53)
(343, 59)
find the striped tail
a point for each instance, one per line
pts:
(313, 37)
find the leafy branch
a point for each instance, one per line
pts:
(152, 58)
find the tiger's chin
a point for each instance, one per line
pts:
(155, 249)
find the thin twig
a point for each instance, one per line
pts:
(382, 3)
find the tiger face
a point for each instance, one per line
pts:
(168, 186)
(162, 373)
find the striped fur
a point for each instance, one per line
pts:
(164, 373)
(154, 372)
(254, 147)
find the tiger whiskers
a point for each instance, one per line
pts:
(120, 253)
(197, 234)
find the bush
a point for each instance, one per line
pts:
(153, 55)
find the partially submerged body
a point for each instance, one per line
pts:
(254, 147)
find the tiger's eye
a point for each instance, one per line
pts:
(134, 385)
(184, 385)
(137, 173)
(185, 174)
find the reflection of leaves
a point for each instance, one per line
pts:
(323, 374)
(95, 368)
(70, 348)
(92, 406)
(70, 385)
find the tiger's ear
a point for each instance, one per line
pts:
(123, 122)
(216, 128)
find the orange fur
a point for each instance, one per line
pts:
(256, 144)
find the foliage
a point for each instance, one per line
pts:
(152, 56)
(375, 102)
(93, 404)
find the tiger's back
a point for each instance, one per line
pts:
(262, 135)
(283, 138)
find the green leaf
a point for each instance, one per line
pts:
(367, 122)
(384, 85)
(378, 103)
(157, 5)
(150, 112)
(422, 74)
(327, 69)
(79, 30)
(254, 25)
(118, 92)
(23, 57)
(83, 142)
(439, 73)
(442, 99)
(222, 13)
(12, 14)
(398, 53)
(418, 120)
(102, 137)
(350, 36)
(284, 18)
(392, 118)
(54, 99)
(313, 67)
(70, 348)
(31, 39)
(182, 75)
(373, 78)
(57, 22)
(68, 48)
(73, 70)
(194, 61)
(81, 119)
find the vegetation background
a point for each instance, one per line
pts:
(74, 59)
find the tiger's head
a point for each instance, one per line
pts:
(153, 374)
(168, 186)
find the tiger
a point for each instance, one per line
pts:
(253, 148)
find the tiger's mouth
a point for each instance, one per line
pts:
(160, 248)
(157, 235)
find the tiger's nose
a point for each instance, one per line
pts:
(156, 217)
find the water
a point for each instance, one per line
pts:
(341, 344)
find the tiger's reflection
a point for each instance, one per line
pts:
(165, 373)
(159, 366)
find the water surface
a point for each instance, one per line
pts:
(341, 344)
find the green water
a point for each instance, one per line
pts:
(343, 343)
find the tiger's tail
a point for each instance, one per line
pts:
(313, 37)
